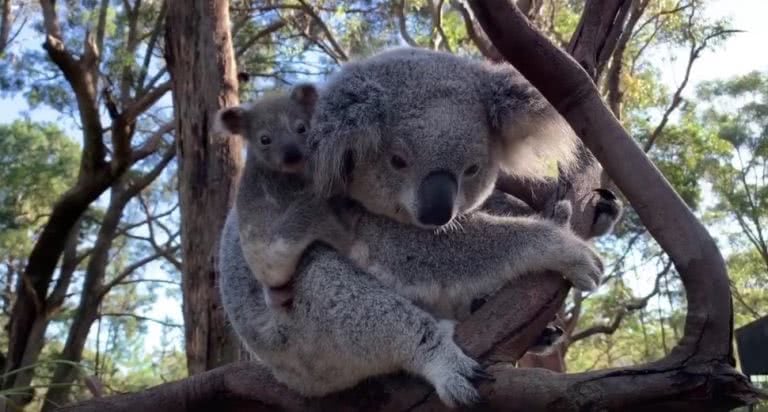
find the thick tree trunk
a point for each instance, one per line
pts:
(201, 61)
(5, 25)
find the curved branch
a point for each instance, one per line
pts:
(437, 21)
(340, 54)
(399, 9)
(475, 33)
(627, 308)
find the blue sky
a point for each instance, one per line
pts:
(742, 53)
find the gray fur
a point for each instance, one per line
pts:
(436, 111)
(281, 217)
(440, 113)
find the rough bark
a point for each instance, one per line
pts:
(699, 374)
(615, 95)
(201, 61)
(6, 19)
(596, 35)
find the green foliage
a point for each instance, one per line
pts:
(37, 163)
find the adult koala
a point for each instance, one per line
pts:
(418, 139)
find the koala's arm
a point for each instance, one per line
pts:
(273, 249)
(476, 258)
(606, 210)
(503, 204)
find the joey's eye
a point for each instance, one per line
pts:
(265, 140)
(472, 170)
(397, 162)
(301, 128)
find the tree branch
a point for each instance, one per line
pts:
(694, 53)
(437, 19)
(69, 263)
(399, 9)
(476, 34)
(165, 251)
(246, 45)
(154, 36)
(128, 271)
(79, 75)
(613, 81)
(339, 52)
(141, 318)
(152, 143)
(597, 33)
(627, 308)
(5, 25)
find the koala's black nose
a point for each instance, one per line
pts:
(292, 155)
(436, 196)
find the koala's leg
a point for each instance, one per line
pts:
(441, 270)
(344, 327)
(513, 246)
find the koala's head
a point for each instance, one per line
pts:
(275, 127)
(420, 136)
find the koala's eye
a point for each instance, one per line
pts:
(265, 140)
(397, 162)
(301, 128)
(472, 170)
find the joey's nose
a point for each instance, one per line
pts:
(436, 197)
(292, 155)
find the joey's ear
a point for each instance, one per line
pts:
(231, 120)
(347, 129)
(533, 136)
(306, 95)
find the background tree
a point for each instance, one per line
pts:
(109, 97)
(201, 61)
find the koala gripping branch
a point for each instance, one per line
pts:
(697, 375)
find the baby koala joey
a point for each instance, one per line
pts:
(280, 216)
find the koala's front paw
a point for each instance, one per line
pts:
(562, 213)
(452, 373)
(580, 264)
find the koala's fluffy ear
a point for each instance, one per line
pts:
(230, 120)
(347, 127)
(533, 135)
(306, 95)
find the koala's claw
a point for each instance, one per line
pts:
(456, 390)
(583, 268)
(480, 375)
(453, 373)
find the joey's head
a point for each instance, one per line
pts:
(420, 136)
(275, 127)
